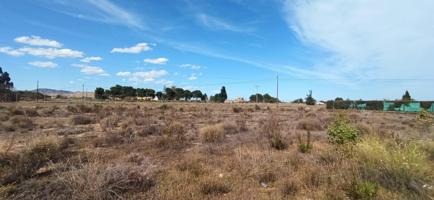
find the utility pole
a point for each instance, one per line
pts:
(277, 89)
(37, 90)
(82, 94)
(257, 93)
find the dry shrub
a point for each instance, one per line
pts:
(173, 136)
(212, 133)
(148, 129)
(191, 165)
(310, 124)
(115, 137)
(237, 109)
(16, 111)
(22, 122)
(82, 120)
(31, 112)
(310, 115)
(290, 188)
(272, 129)
(214, 186)
(364, 129)
(20, 166)
(96, 180)
(84, 108)
(4, 116)
(72, 109)
(109, 123)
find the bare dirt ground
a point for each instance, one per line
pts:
(126, 150)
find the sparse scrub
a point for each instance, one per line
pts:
(81, 120)
(303, 146)
(98, 180)
(310, 124)
(214, 186)
(17, 167)
(31, 112)
(290, 188)
(278, 142)
(402, 167)
(22, 122)
(237, 109)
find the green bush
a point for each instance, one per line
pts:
(363, 190)
(341, 131)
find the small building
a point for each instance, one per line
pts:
(431, 108)
(144, 98)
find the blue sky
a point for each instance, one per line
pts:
(365, 49)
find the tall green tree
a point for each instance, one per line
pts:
(406, 97)
(309, 99)
(223, 94)
(5, 80)
(100, 93)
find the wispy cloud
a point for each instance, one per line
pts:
(43, 64)
(37, 41)
(367, 38)
(140, 47)
(191, 66)
(102, 11)
(91, 59)
(156, 61)
(215, 23)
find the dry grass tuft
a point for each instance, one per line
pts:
(214, 186)
(212, 133)
(22, 122)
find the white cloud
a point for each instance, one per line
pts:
(91, 70)
(143, 76)
(10, 51)
(191, 66)
(43, 64)
(123, 74)
(52, 52)
(192, 77)
(90, 59)
(140, 47)
(156, 61)
(164, 82)
(367, 38)
(215, 23)
(37, 41)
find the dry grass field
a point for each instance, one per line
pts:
(122, 150)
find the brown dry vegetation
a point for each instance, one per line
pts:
(209, 151)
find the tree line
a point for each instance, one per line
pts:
(169, 93)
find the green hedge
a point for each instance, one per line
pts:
(346, 104)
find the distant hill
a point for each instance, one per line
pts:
(48, 91)
(53, 93)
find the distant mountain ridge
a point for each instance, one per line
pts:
(53, 91)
